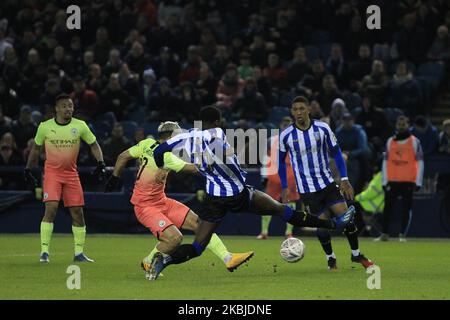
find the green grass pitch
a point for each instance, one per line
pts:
(417, 269)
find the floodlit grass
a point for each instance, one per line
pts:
(417, 269)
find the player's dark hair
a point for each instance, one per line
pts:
(301, 99)
(210, 114)
(62, 96)
(403, 117)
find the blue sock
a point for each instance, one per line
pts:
(288, 212)
(198, 248)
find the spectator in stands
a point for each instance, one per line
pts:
(235, 49)
(137, 59)
(411, 40)
(113, 64)
(276, 74)
(53, 73)
(88, 60)
(264, 86)
(62, 60)
(5, 122)
(338, 109)
(102, 46)
(9, 156)
(52, 90)
(316, 111)
(444, 137)
(259, 51)
(4, 42)
(375, 124)
(298, 67)
(427, 134)
(440, 49)
(35, 73)
(190, 70)
(96, 80)
(404, 90)
(189, 103)
(208, 45)
(311, 84)
(221, 59)
(11, 71)
(87, 106)
(361, 67)
(376, 84)
(164, 105)
(76, 52)
(355, 148)
(116, 99)
(148, 87)
(328, 93)
(9, 99)
(337, 66)
(206, 85)
(230, 87)
(23, 128)
(165, 65)
(129, 81)
(115, 145)
(251, 104)
(139, 135)
(245, 70)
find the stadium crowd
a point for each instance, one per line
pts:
(135, 63)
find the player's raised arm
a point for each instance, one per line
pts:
(169, 145)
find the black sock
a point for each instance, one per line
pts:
(325, 241)
(303, 219)
(351, 231)
(182, 254)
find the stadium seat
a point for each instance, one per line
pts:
(109, 116)
(392, 114)
(129, 128)
(313, 53)
(151, 128)
(277, 113)
(431, 69)
(319, 37)
(138, 115)
(325, 49)
(102, 130)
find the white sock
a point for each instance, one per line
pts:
(331, 256)
(227, 258)
(355, 253)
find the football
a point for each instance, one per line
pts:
(292, 250)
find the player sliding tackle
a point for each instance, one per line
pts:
(225, 189)
(164, 216)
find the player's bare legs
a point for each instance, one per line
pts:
(351, 232)
(79, 233)
(51, 207)
(263, 204)
(77, 216)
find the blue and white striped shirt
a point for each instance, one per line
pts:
(214, 157)
(309, 154)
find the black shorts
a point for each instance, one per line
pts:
(317, 202)
(215, 208)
